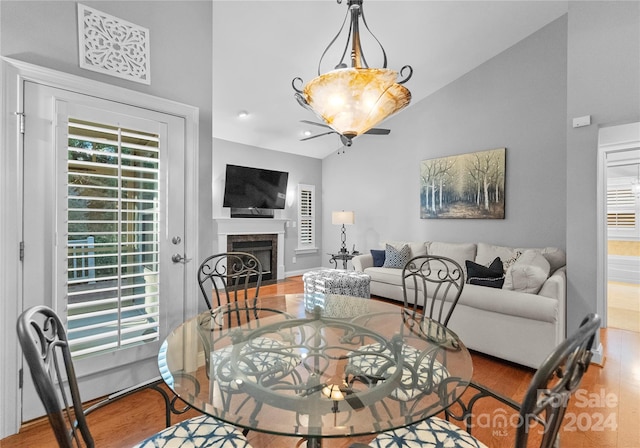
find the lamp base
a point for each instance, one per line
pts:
(343, 237)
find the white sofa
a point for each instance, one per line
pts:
(520, 322)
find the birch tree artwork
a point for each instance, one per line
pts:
(463, 186)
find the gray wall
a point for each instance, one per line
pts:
(523, 99)
(604, 82)
(302, 170)
(587, 63)
(45, 33)
(516, 100)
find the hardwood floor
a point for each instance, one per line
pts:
(623, 306)
(605, 412)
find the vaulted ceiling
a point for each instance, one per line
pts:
(260, 46)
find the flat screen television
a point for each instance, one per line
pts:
(250, 188)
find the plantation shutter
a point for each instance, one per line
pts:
(113, 237)
(306, 216)
(621, 208)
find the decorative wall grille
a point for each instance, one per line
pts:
(113, 46)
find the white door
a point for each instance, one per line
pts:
(619, 225)
(623, 243)
(103, 213)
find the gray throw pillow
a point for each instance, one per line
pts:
(396, 258)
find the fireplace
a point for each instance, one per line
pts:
(227, 228)
(263, 246)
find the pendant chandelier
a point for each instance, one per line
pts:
(352, 99)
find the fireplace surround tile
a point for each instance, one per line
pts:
(226, 227)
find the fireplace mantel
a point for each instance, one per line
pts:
(252, 226)
(240, 226)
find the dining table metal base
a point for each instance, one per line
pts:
(311, 442)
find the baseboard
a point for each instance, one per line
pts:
(300, 272)
(598, 357)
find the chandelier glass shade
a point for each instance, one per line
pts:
(353, 99)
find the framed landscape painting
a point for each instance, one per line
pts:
(463, 186)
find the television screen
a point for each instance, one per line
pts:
(247, 187)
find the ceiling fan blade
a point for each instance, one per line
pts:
(378, 131)
(318, 135)
(315, 124)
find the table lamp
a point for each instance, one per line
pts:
(344, 218)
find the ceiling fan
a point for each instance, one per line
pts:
(345, 139)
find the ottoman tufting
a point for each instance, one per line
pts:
(336, 281)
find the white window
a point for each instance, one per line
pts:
(306, 218)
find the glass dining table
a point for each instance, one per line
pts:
(315, 366)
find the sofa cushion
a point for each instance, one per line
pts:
(487, 252)
(556, 257)
(396, 257)
(528, 273)
(458, 252)
(391, 276)
(492, 275)
(378, 257)
(514, 303)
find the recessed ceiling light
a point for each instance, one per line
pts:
(243, 114)
(307, 133)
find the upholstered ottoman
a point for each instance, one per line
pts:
(336, 281)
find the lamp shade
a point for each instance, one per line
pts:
(343, 217)
(353, 100)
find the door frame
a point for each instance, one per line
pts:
(610, 139)
(14, 74)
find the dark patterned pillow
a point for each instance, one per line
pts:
(378, 257)
(492, 275)
(396, 258)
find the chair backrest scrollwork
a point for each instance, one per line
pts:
(227, 277)
(432, 286)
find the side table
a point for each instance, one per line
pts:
(344, 256)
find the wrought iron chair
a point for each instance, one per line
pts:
(226, 277)
(46, 350)
(539, 415)
(431, 288)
